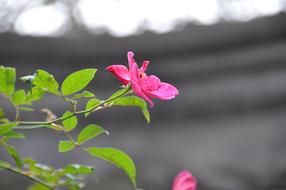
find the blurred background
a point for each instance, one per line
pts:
(227, 58)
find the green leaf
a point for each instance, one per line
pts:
(14, 135)
(85, 94)
(71, 122)
(118, 158)
(25, 108)
(4, 164)
(90, 132)
(46, 81)
(90, 104)
(65, 146)
(18, 97)
(6, 127)
(38, 186)
(15, 155)
(118, 93)
(78, 169)
(134, 101)
(2, 114)
(77, 81)
(35, 94)
(7, 80)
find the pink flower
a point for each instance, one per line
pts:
(184, 181)
(144, 86)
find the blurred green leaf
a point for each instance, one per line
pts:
(14, 135)
(7, 80)
(38, 186)
(90, 104)
(89, 132)
(71, 122)
(46, 81)
(78, 169)
(18, 97)
(85, 94)
(118, 158)
(77, 81)
(4, 164)
(15, 155)
(65, 146)
(134, 101)
(35, 94)
(6, 127)
(25, 108)
(2, 114)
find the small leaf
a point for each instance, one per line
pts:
(78, 169)
(7, 80)
(118, 158)
(6, 127)
(38, 186)
(46, 81)
(85, 94)
(65, 146)
(2, 114)
(90, 132)
(77, 81)
(90, 104)
(25, 108)
(117, 93)
(4, 164)
(15, 155)
(28, 78)
(15, 135)
(134, 101)
(71, 122)
(18, 97)
(35, 94)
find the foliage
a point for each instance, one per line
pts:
(71, 90)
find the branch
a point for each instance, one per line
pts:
(39, 124)
(33, 178)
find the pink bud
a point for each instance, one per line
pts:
(184, 181)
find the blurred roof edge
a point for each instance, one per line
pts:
(191, 38)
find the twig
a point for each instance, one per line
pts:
(35, 179)
(41, 123)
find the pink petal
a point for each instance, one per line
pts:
(131, 60)
(121, 72)
(138, 91)
(144, 66)
(184, 181)
(164, 92)
(150, 83)
(135, 78)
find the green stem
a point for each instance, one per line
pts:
(40, 123)
(35, 179)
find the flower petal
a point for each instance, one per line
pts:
(144, 66)
(150, 83)
(184, 181)
(138, 91)
(135, 79)
(121, 72)
(165, 91)
(131, 60)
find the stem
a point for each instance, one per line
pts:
(35, 179)
(17, 117)
(40, 123)
(69, 101)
